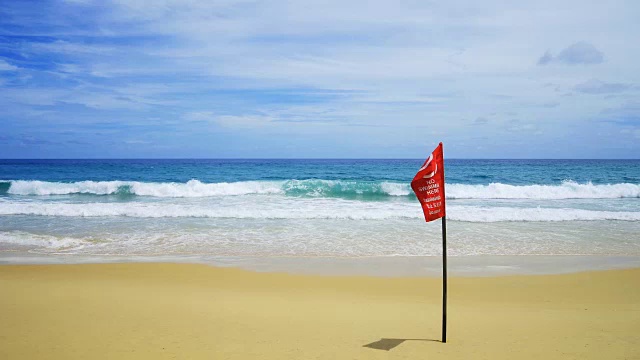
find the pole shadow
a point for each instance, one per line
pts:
(388, 344)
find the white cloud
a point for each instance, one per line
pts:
(71, 48)
(243, 121)
(401, 66)
(633, 132)
(5, 66)
(580, 53)
(208, 116)
(597, 87)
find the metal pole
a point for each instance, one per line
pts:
(444, 279)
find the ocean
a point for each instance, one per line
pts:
(97, 210)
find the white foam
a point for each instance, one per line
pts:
(22, 238)
(23, 187)
(195, 188)
(327, 209)
(396, 189)
(192, 188)
(324, 188)
(248, 211)
(567, 190)
(497, 214)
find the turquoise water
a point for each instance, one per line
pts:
(317, 208)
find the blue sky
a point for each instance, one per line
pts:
(330, 79)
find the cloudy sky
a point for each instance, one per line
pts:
(329, 79)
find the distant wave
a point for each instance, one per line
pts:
(192, 188)
(349, 189)
(308, 210)
(196, 188)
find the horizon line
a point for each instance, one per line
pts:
(319, 158)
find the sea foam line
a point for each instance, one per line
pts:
(322, 188)
(347, 211)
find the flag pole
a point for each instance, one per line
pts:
(428, 185)
(444, 263)
(444, 279)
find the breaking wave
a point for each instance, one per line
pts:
(566, 190)
(192, 188)
(348, 189)
(196, 188)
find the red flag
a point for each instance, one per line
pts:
(428, 184)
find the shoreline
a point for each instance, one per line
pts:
(386, 266)
(164, 311)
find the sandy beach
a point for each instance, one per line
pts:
(190, 311)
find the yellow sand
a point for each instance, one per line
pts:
(187, 311)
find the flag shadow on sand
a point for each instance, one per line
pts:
(388, 344)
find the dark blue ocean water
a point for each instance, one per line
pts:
(514, 172)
